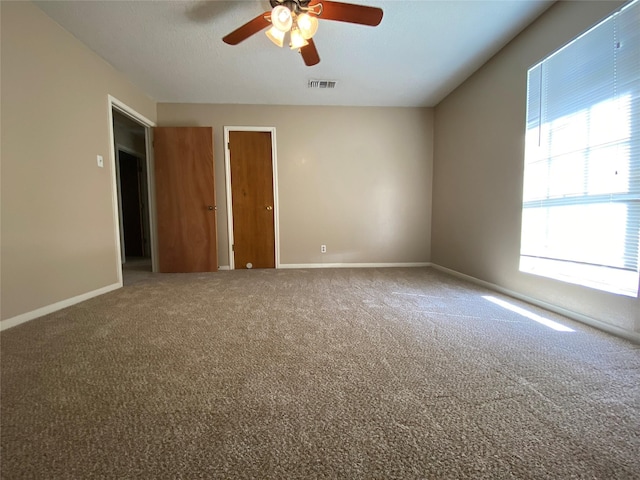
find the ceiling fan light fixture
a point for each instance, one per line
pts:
(297, 40)
(281, 18)
(299, 19)
(308, 25)
(276, 36)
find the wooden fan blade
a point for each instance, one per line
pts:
(348, 12)
(250, 28)
(310, 54)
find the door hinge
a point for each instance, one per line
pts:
(233, 248)
(228, 145)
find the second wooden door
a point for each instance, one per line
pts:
(252, 199)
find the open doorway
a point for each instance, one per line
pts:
(132, 170)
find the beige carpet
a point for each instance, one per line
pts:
(346, 373)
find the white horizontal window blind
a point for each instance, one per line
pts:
(581, 199)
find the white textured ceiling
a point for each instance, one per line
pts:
(173, 50)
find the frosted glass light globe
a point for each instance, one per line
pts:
(281, 18)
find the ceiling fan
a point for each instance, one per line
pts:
(299, 19)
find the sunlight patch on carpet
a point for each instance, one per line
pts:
(526, 313)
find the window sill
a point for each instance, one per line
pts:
(612, 280)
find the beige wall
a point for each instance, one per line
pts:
(479, 145)
(355, 179)
(57, 221)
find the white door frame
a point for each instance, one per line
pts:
(121, 107)
(227, 168)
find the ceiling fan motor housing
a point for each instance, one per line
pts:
(295, 6)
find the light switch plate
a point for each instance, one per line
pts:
(100, 161)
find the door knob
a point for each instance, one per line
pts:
(269, 207)
(211, 207)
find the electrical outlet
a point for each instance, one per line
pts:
(323, 249)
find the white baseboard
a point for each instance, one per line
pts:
(579, 317)
(224, 267)
(54, 307)
(352, 265)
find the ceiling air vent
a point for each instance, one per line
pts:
(322, 84)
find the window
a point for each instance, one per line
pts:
(581, 192)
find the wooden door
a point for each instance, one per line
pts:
(252, 199)
(185, 199)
